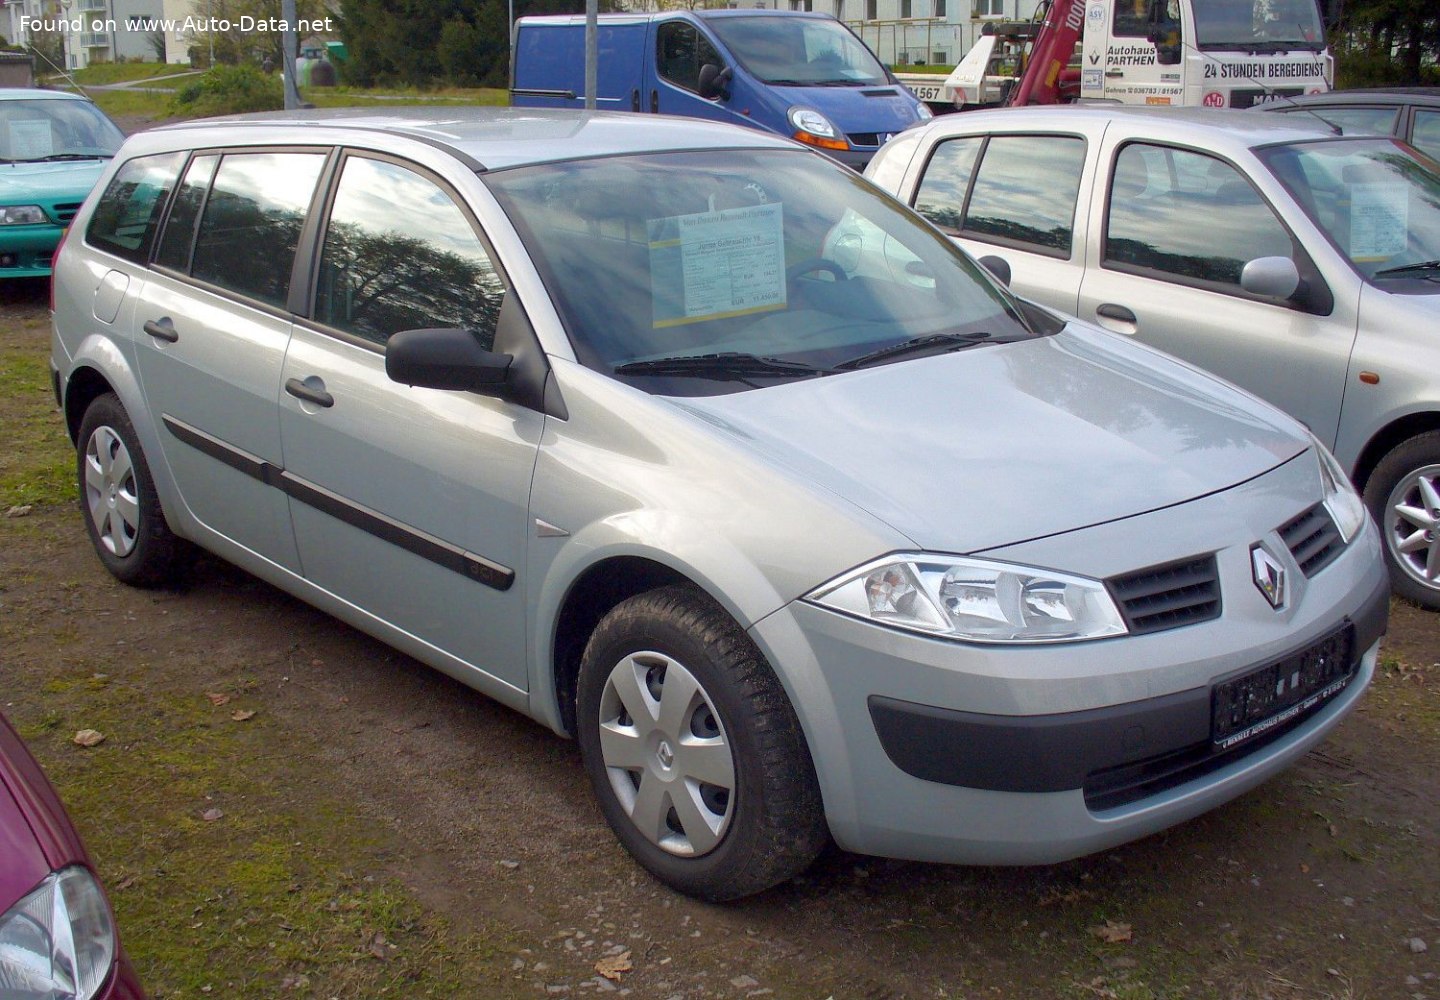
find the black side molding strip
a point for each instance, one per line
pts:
(426, 546)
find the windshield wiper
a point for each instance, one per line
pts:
(725, 365)
(53, 157)
(1424, 265)
(935, 343)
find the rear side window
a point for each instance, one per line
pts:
(1426, 137)
(941, 195)
(251, 222)
(129, 212)
(1380, 121)
(399, 254)
(179, 234)
(1187, 215)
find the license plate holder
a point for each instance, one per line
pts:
(1255, 702)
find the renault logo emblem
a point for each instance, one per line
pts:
(1269, 576)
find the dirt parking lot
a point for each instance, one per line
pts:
(283, 807)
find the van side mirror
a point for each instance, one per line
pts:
(714, 82)
(445, 359)
(1275, 277)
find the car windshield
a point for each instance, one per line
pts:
(799, 51)
(39, 130)
(704, 272)
(1258, 24)
(1377, 200)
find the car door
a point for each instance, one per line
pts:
(1017, 197)
(212, 328)
(1176, 229)
(680, 49)
(408, 503)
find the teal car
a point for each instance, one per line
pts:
(53, 147)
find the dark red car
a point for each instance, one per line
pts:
(57, 934)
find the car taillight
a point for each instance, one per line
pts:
(54, 258)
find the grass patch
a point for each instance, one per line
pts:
(222, 883)
(36, 467)
(105, 73)
(924, 68)
(133, 103)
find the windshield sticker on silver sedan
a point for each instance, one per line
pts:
(713, 265)
(1378, 214)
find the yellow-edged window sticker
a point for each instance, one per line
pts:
(1379, 221)
(714, 265)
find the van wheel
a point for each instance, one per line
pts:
(694, 750)
(122, 512)
(1403, 494)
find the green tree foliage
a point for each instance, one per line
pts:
(1386, 42)
(237, 46)
(428, 43)
(229, 90)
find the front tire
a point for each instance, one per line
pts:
(117, 496)
(693, 749)
(1403, 494)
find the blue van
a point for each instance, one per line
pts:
(801, 74)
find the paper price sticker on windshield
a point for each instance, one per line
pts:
(714, 265)
(1379, 223)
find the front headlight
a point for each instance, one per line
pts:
(815, 129)
(58, 941)
(922, 111)
(974, 599)
(22, 215)
(1344, 504)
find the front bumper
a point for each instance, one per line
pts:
(935, 750)
(25, 251)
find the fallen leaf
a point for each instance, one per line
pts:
(242, 715)
(612, 967)
(1112, 933)
(89, 738)
(381, 948)
(216, 698)
(20, 511)
(211, 815)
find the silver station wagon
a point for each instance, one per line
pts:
(1298, 262)
(802, 536)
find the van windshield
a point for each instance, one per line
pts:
(799, 51)
(1376, 200)
(696, 273)
(1258, 25)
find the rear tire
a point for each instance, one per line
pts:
(1403, 494)
(118, 500)
(693, 749)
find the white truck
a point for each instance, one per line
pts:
(1216, 53)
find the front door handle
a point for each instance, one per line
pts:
(161, 329)
(654, 102)
(635, 99)
(1116, 318)
(312, 390)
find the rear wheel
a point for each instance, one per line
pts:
(694, 750)
(122, 511)
(1403, 494)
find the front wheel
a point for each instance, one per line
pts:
(693, 749)
(1403, 494)
(122, 511)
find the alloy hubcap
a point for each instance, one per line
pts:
(1412, 525)
(666, 754)
(111, 498)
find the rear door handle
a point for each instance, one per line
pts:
(310, 393)
(654, 102)
(162, 329)
(635, 99)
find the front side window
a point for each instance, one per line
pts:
(399, 254)
(1376, 201)
(680, 51)
(1187, 215)
(1023, 193)
(129, 212)
(251, 224)
(666, 267)
(799, 51)
(1425, 136)
(1133, 19)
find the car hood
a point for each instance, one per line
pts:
(1005, 443)
(36, 837)
(66, 180)
(883, 108)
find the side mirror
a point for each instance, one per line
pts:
(1274, 277)
(445, 359)
(714, 81)
(998, 266)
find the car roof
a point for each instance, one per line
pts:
(1218, 126)
(36, 93)
(497, 138)
(1429, 96)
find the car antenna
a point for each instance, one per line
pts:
(1270, 91)
(62, 72)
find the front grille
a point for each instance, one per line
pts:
(864, 138)
(1168, 596)
(64, 212)
(1312, 539)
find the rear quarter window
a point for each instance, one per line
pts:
(129, 212)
